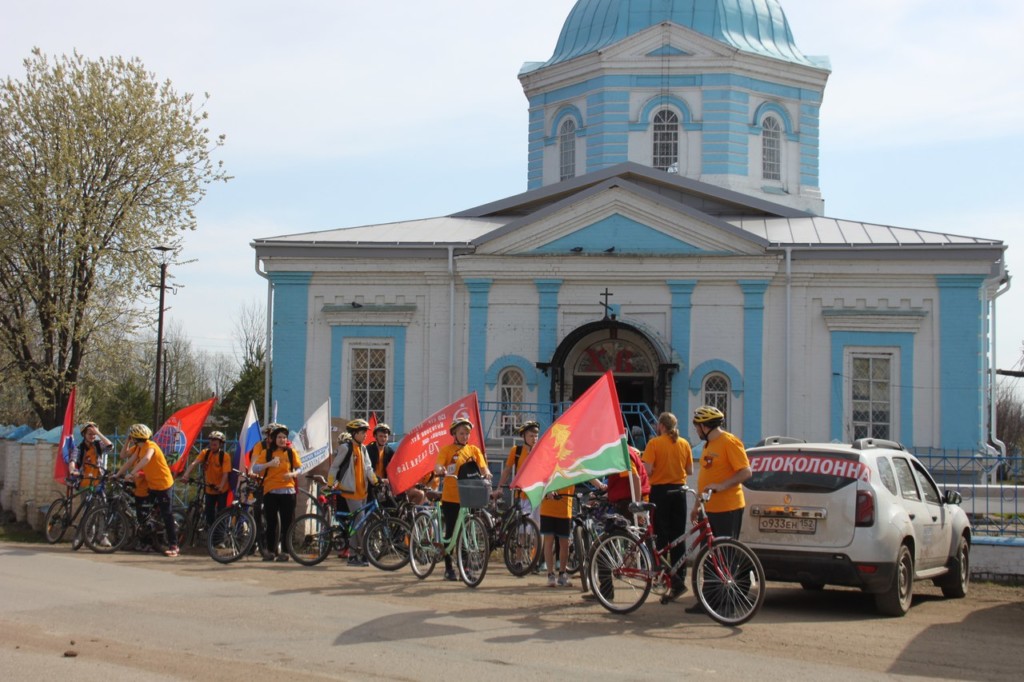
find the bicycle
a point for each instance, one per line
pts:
(235, 530)
(468, 539)
(61, 515)
(311, 537)
(589, 522)
(727, 576)
(193, 523)
(515, 533)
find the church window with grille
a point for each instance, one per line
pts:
(511, 385)
(368, 381)
(666, 139)
(567, 150)
(716, 392)
(771, 149)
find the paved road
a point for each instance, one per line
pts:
(130, 616)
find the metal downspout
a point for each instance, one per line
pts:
(789, 323)
(451, 321)
(992, 368)
(270, 344)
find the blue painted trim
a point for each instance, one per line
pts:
(479, 290)
(753, 355)
(701, 371)
(290, 329)
(397, 335)
(902, 340)
(682, 309)
(528, 369)
(961, 360)
(771, 108)
(659, 102)
(547, 328)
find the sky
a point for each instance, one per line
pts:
(340, 113)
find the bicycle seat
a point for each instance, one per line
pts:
(640, 507)
(318, 478)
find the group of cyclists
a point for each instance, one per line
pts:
(657, 475)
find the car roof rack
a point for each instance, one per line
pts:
(867, 443)
(779, 440)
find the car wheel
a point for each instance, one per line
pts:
(812, 587)
(954, 584)
(895, 601)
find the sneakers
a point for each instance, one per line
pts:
(104, 541)
(281, 557)
(563, 580)
(267, 556)
(172, 551)
(674, 593)
(551, 580)
(356, 560)
(449, 574)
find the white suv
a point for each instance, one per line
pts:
(866, 514)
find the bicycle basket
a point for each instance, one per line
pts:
(473, 492)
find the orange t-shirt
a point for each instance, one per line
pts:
(722, 458)
(273, 477)
(669, 460)
(215, 465)
(457, 455)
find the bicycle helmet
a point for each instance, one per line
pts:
(381, 427)
(706, 414)
(216, 435)
(459, 421)
(357, 425)
(528, 426)
(279, 428)
(344, 437)
(270, 428)
(140, 432)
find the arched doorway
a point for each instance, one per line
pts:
(639, 366)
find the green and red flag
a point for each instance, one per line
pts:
(588, 441)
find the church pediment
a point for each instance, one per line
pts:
(667, 40)
(619, 218)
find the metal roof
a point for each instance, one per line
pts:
(433, 231)
(822, 231)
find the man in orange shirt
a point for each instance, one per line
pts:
(217, 469)
(148, 462)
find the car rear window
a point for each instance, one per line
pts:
(805, 471)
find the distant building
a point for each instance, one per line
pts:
(672, 231)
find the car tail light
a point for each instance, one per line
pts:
(867, 568)
(865, 508)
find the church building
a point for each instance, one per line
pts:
(672, 229)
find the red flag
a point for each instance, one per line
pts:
(416, 455)
(372, 421)
(67, 441)
(587, 442)
(175, 437)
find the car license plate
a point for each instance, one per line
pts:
(782, 524)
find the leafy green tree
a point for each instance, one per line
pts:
(99, 163)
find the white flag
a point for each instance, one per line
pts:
(313, 442)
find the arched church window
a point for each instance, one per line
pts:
(567, 149)
(716, 392)
(511, 395)
(666, 139)
(771, 149)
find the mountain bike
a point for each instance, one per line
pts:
(62, 514)
(727, 576)
(515, 533)
(468, 540)
(193, 523)
(311, 537)
(235, 530)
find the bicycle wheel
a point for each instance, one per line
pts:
(57, 519)
(188, 529)
(423, 545)
(581, 543)
(231, 536)
(473, 551)
(574, 561)
(729, 582)
(386, 543)
(105, 529)
(308, 539)
(522, 545)
(620, 573)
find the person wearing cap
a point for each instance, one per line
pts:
(89, 452)
(353, 475)
(380, 450)
(216, 464)
(529, 432)
(450, 462)
(261, 448)
(280, 466)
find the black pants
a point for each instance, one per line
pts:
(278, 510)
(670, 522)
(214, 503)
(450, 516)
(726, 524)
(162, 499)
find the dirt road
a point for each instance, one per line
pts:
(131, 615)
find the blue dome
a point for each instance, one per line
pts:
(757, 26)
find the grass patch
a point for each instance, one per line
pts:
(14, 531)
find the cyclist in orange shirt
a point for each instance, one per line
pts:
(148, 461)
(280, 466)
(217, 470)
(451, 460)
(89, 452)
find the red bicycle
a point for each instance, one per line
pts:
(727, 576)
